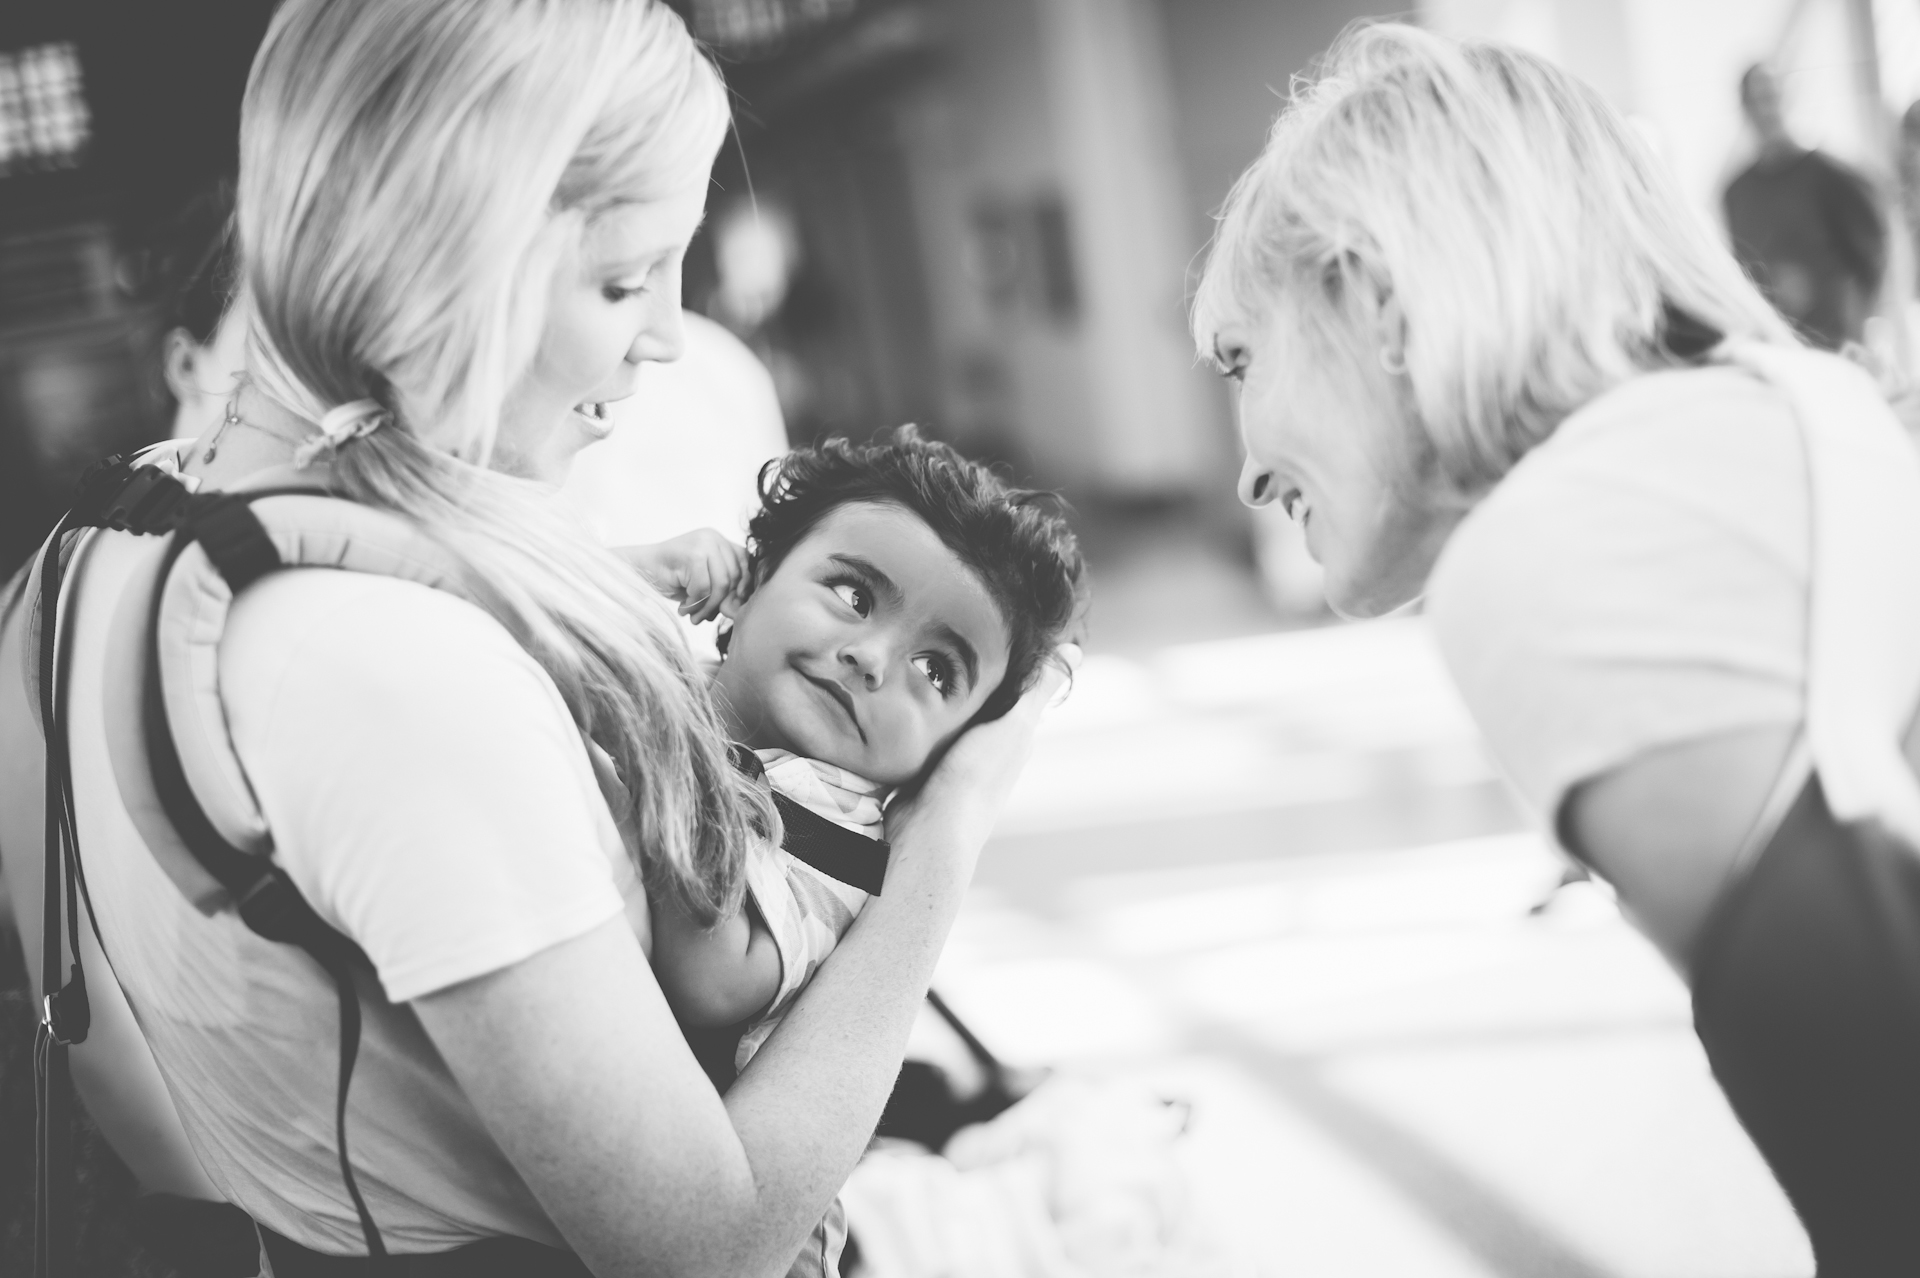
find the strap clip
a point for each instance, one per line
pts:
(152, 501)
(65, 1014)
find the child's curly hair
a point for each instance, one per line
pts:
(1017, 540)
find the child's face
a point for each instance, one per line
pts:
(869, 647)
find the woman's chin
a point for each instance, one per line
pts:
(1364, 596)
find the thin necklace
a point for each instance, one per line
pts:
(213, 445)
(233, 418)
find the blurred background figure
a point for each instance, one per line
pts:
(1806, 227)
(188, 272)
(1907, 170)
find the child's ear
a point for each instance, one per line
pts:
(742, 593)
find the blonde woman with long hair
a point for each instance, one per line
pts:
(461, 224)
(1485, 354)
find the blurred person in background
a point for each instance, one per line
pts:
(1671, 556)
(483, 247)
(1908, 164)
(1805, 227)
(189, 267)
(175, 1215)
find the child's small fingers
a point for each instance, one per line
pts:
(699, 582)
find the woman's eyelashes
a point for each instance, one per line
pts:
(631, 284)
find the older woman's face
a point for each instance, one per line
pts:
(1329, 436)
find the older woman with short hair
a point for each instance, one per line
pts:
(1485, 353)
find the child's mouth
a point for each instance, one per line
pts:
(839, 695)
(1294, 503)
(595, 418)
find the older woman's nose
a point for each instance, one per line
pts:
(1257, 484)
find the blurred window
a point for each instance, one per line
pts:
(758, 28)
(43, 113)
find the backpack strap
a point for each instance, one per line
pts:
(854, 859)
(232, 539)
(219, 543)
(64, 1012)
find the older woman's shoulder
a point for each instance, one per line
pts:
(1667, 418)
(1640, 576)
(1677, 491)
(1699, 461)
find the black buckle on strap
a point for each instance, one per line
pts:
(66, 1014)
(121, 494)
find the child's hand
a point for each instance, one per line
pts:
(701, 571)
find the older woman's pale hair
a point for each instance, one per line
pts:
(1534, 246)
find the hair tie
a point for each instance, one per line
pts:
(342, 423)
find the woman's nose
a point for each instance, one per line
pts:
(1257, 484)
(663, 338)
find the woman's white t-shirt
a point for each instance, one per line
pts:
(1638, 580)
(432, 799)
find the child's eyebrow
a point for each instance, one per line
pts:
(881, 583)
(968, 657)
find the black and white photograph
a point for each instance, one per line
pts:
(959, 639)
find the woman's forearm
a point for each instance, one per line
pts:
(807, 1104)
(573, 1061)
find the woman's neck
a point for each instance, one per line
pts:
(258, 436)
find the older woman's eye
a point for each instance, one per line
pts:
(937, 671)
(854, 595)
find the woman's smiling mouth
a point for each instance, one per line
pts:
(594, 417)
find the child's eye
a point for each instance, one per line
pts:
(620, 293)
(854, 595)
(938, 672)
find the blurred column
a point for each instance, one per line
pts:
(1112, 104)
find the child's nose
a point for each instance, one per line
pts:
(868, 659)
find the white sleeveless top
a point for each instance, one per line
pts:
(430, 796)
